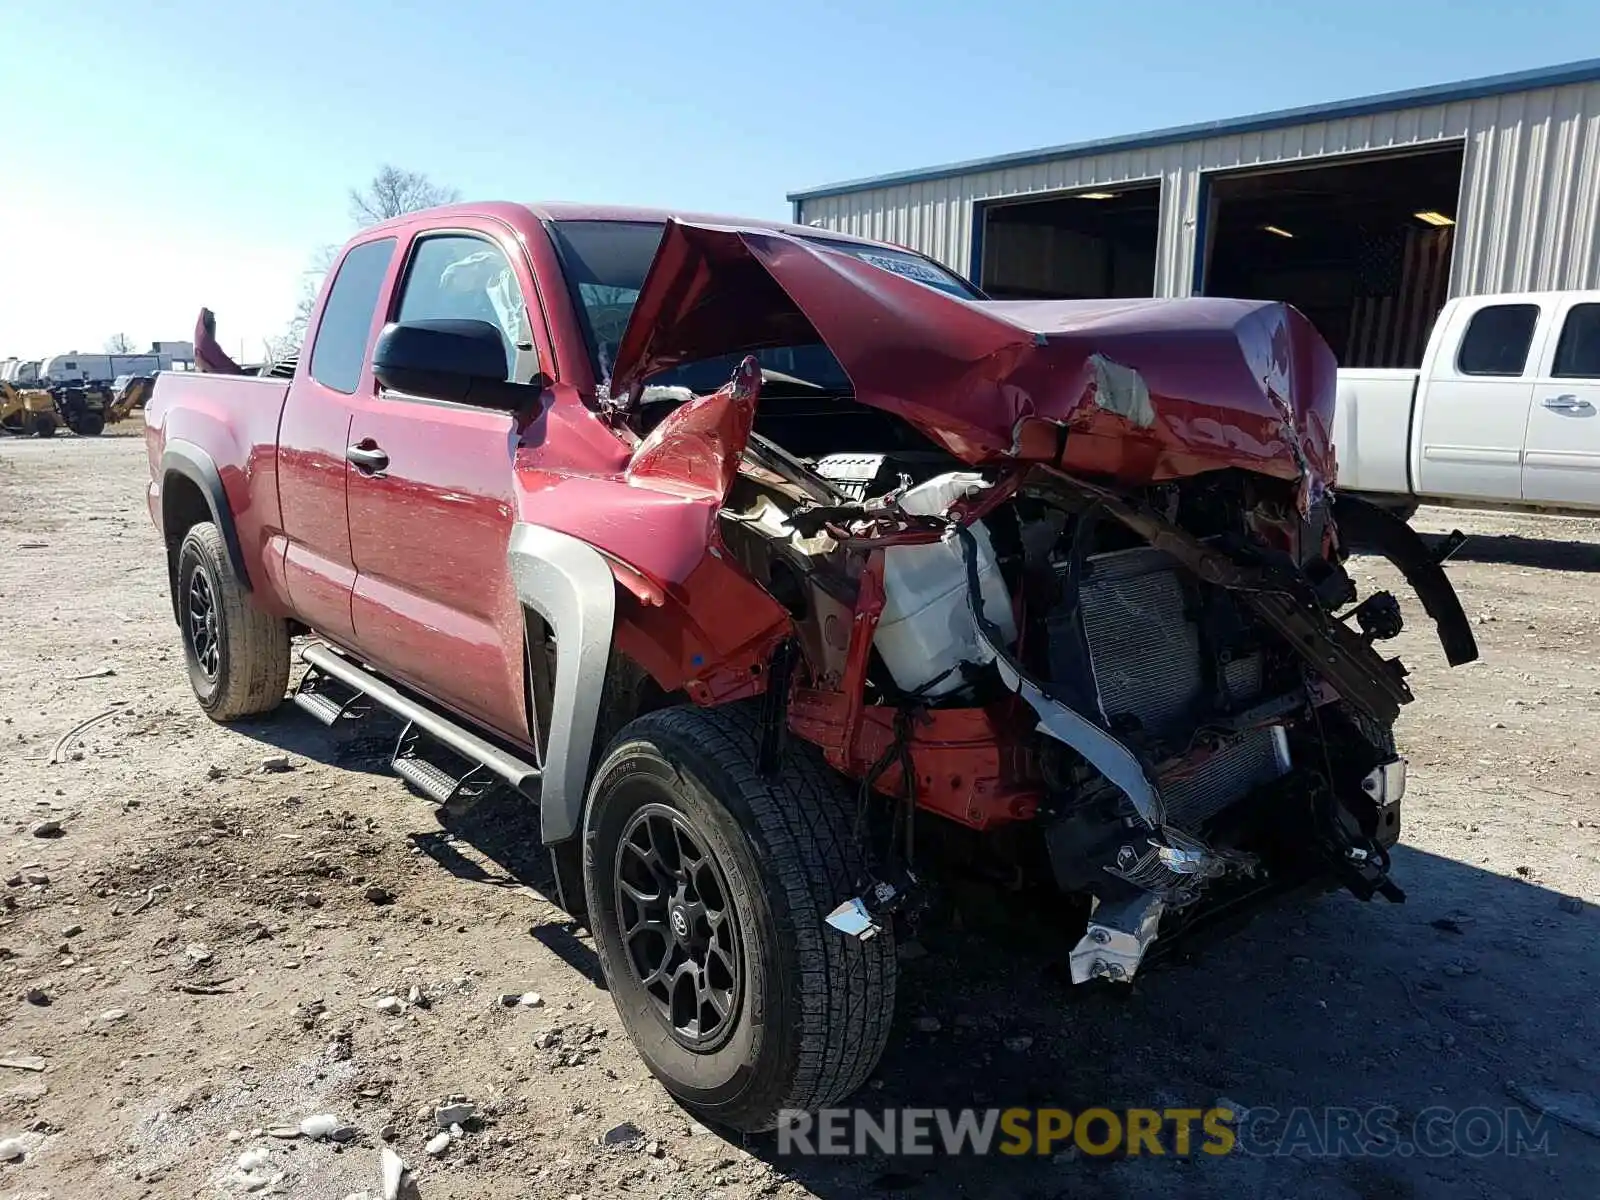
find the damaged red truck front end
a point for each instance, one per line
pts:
(791, 577)
(1065, 576)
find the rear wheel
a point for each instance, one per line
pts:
(91, 424)
(238, 656)
(707, 887)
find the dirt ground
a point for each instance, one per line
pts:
(200, 954)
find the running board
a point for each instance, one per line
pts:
(421, 720)
(417, 761)
(330, 700)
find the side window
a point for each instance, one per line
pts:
(1497, 340)
(462, 278)
(1578, 351)
(341, 346)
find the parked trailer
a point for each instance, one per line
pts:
(102, 368)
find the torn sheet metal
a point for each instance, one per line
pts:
(1143, 390)
(695, 450)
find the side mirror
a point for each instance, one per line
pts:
(464, 361)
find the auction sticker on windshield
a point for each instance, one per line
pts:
(910, 268)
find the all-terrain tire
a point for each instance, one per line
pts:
(249, 648)
(44, 426)
(816, 1004)
(91, 424)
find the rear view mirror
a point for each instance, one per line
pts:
(463, 361)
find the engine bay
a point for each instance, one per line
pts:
(1165, 700)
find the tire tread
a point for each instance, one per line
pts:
(257, 674)
(804, 818)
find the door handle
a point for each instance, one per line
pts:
(368, 458)
(1565, 403)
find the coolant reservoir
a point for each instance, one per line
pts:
(926, 629)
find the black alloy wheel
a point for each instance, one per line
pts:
(708, 883)
(678, 926)
(200, 621)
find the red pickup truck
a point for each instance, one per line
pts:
(788, 575)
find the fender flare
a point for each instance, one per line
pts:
(199, 468)
(569, 584)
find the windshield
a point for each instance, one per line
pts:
(606, 262)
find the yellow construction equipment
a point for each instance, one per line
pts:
(131, 393)
(85, 408)
(28, 411)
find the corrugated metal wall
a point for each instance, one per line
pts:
(1530, 190)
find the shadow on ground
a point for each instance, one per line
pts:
(501, 826)
(1480, 984)
(1508, 549)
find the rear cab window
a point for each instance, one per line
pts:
(1578, 350)
(1497, 340)
(340, 351)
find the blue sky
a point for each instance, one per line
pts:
(161, 157)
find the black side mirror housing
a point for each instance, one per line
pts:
(462, 361)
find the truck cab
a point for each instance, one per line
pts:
(1504, 412)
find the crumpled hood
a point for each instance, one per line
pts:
(1139, 390)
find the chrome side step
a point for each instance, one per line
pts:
(421, 720)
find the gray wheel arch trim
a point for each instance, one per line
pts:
(569, 584)
(199, 468)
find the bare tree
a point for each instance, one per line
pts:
(280, 348)
(389, 193)
(310, 284)
(392, 192)
(119, 343)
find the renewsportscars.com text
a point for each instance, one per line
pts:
(1330, 1132)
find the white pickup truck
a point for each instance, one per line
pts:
(1504, 413)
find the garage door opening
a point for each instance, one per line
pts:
(1097, 244)
(1361, 247)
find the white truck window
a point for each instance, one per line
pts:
(1578, 351)
(1497, 340)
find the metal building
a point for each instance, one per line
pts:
(1366, 214)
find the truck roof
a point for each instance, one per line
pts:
(561, 210)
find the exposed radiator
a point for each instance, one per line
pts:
(1191, 794)
(1146, 657)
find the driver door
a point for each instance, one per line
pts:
(430, 495)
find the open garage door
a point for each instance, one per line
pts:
(1089, 245)
(1361, 246)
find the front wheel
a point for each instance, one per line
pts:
(707, 886)
(44, 426)
(238, 656)
(91, 424)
